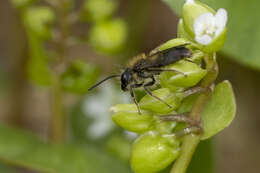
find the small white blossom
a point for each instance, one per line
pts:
(208, 26)
(189, 2)
(96, 107)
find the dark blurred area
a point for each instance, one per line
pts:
(25, 105)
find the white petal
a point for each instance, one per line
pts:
(221, 20)
(204, 39)
(202, 22)
(189, 1)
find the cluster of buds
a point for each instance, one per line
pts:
(157, 146)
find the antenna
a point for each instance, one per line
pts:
(109, 77)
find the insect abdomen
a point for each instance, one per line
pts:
(173, 55)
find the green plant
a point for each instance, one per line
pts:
(163, 136)
(162, 142)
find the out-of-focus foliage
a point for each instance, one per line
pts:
(24, 149)
(37, 68)
(79, 76)
(6, 169)
(203, 154)
(96, 10)
(36, 22)
(243, 37)
(21, 3)
(119, 146)
(108, 36)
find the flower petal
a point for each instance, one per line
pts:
(221, 20)
(204, 39)
(189, 2)
(202, 22)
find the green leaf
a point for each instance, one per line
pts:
(219, 111)
(21, 148)
(243, 37)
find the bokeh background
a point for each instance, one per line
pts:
(26, 105)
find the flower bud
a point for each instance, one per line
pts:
(155, 105)
(152, 153)
(193, 72)
(96, 10)
(205, 26)
(127, 116)
(79, 76)
(36, 20)
(173, 43)
(165, 127)
(108, 36)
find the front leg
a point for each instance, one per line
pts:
(151, 94)
(133, 95)
(193, 126)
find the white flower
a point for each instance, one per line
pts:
(189, 2)
(208, 26)
(96, 107)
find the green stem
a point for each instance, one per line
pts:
(58, 119)
(190, 142)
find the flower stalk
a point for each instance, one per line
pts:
(190, 142)
(57, 133)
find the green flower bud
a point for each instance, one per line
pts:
(193, 71)
(173, 43)
(127, 116)
(99, 9)
(79, 77)
(152, 153)
(108, 36)
(165, 127)
(203, 25)
(181, 31)
(154, 105)
(37, 20)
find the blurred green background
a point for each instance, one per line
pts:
(117, 31)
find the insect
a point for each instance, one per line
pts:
(144, 67)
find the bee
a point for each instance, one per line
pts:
(145, 67)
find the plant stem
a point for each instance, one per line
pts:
(58, 119)
(190, 142)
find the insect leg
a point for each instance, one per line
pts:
(196, 89)
(189, 130)
(193, 125)
(189, 60)
(133, 97)
(165, 70)
(151, 94)
(181, 118)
